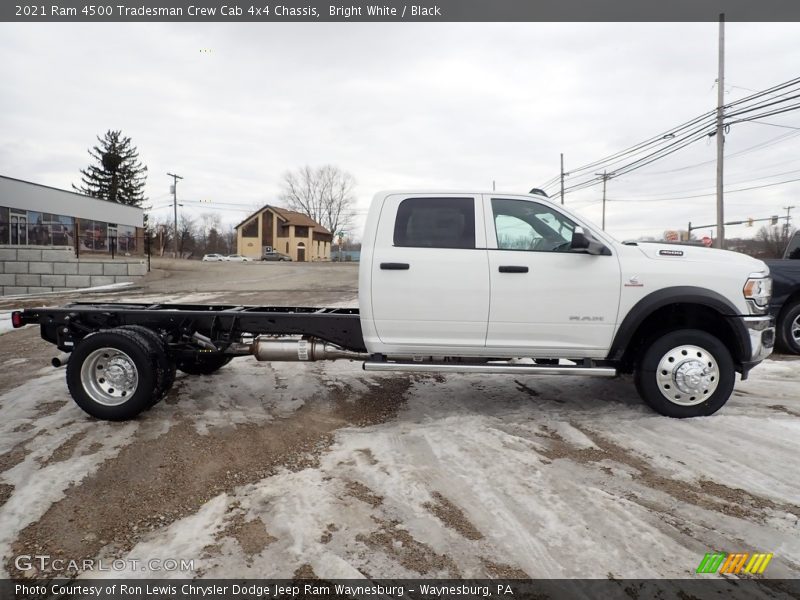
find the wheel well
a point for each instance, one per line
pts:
(793, 299)
(680, 316)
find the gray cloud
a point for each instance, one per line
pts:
(398, 105)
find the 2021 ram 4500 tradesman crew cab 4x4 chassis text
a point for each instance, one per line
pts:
(458, 282)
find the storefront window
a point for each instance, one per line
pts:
(93, 236)
(38, 233)
(61, 230)
(5, 229)
(126, 239)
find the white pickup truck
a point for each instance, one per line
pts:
(458, 282)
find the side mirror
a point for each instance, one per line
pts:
(579, 240)
(584, 242)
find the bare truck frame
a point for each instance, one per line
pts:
(121, 358)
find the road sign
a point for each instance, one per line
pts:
(707, 241)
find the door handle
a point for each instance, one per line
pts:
(395, 266)
(513, 269)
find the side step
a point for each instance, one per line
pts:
(421, 367)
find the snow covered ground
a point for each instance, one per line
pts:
(291, 469)
(277, 470)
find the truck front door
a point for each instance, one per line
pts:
(546, 299)
(430, 275)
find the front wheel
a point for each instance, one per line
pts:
(789, 328)
(686, 373)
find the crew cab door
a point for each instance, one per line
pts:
(430, 275)
(544, 297)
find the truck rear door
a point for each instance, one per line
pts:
(430, 273)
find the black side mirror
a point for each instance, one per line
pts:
(583, 241)
(579, 240)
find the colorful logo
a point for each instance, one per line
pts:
(734, 563)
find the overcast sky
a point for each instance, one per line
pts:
(401, 105)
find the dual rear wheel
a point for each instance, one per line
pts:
(115, 374)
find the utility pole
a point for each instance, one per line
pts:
(788, 210)
(720, 133)
(605, 177)
(562, 178)
(175, 207)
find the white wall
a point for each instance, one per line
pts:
(29, 196)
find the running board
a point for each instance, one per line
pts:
(420, 367)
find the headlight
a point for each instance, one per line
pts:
(758, 290)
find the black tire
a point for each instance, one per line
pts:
(685, 373)
(130, 401)
(203, 364)
(788, 320)
(166, 371)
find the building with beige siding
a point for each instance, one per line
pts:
(285, 231)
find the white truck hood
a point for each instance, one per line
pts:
(676, 252)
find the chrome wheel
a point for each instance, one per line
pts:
(795, 330)
(109, 376)
(687, 375)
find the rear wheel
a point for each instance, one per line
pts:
(203, 364)
(165, 375)
(686, 373)
(789, 328)
(112, 374)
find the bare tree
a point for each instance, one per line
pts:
(162, 236)
(325, 194)
(774, 240)
(229, 240)
(209, 221)
(187, 231)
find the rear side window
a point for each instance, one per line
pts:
(435, 223)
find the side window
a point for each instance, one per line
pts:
(525, 225)
(435, 223)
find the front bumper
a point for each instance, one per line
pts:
(761, 330)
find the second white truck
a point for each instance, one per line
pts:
(464, 282)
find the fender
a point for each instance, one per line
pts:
(684, 295)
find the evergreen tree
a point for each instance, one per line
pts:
(117, 174)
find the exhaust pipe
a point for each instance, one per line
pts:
(271, 349)
(60, 360)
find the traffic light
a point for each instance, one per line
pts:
(773, 220)
(750, 222)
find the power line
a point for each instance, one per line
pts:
(773, 124)
(770, 142)
(746, 189)
(656, 148)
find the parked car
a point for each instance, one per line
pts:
(213, 258)
(275, 256)
(237, 258)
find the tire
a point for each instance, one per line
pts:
(685, 373)
(203, 364)
(789, 328)
(132, 386)
(165, 375)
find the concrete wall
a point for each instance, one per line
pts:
(38, 269)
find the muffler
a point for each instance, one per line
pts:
(272, 349)
(60, 360)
